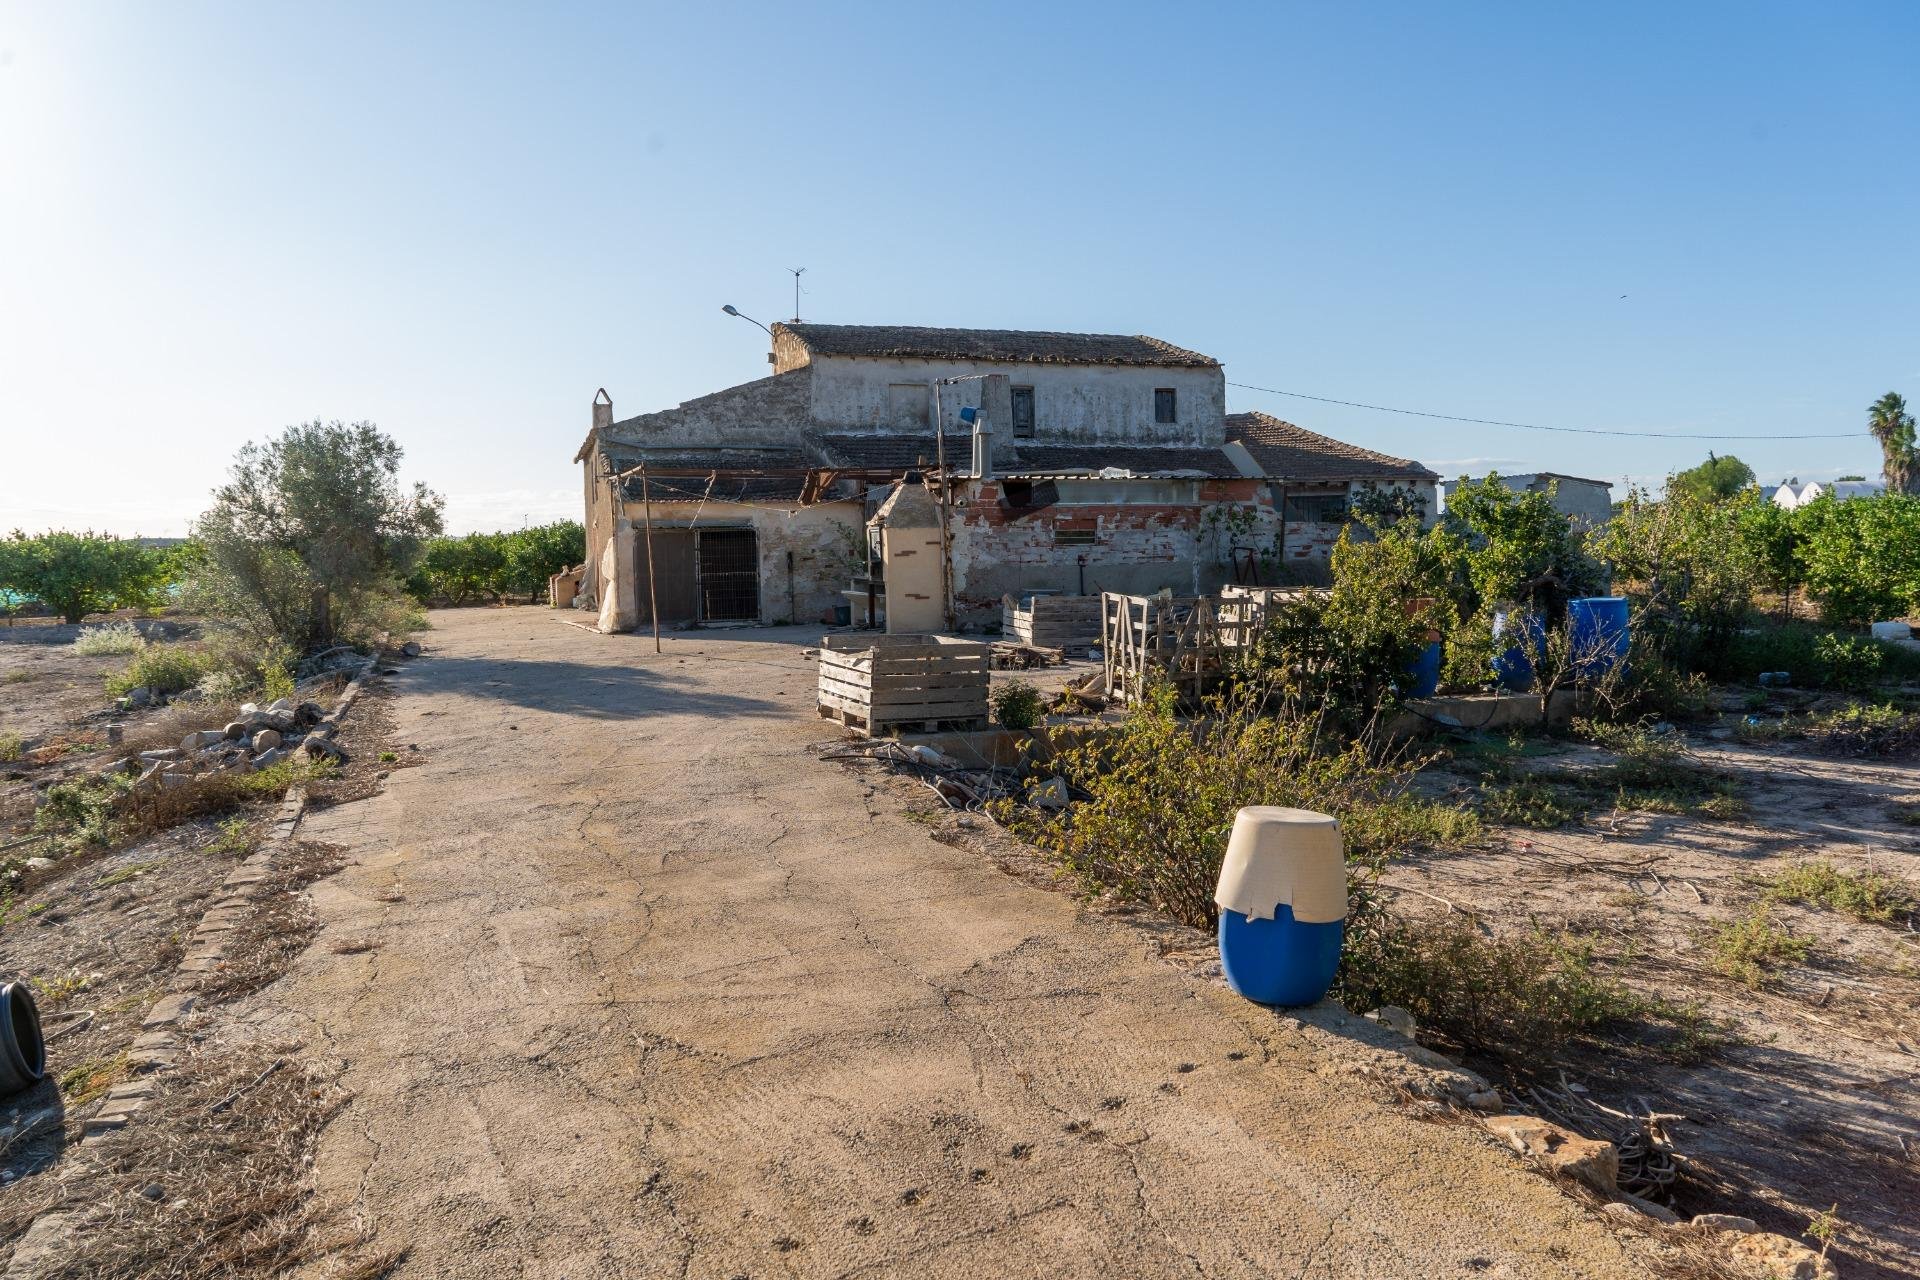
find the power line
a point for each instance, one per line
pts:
(1534, 426)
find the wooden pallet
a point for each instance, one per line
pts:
(882, 684)
(1184, 642)
(1051, 622)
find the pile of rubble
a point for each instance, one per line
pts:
(263, 736)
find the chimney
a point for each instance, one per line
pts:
(602, 409)
(982, 444)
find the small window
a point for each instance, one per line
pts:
(1022, 412)
(1075, 537)
(1317, 508)
(1165, 408)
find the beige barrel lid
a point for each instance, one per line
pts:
(1277, 855)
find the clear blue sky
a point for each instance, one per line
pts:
(459, 220)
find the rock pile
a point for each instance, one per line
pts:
(263, 736)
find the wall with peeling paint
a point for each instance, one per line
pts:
(1136, 546)
(808, 555)
(1072, 403)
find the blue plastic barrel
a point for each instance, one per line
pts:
(1513, 667)
(1426, 673)
(1598, 634)
(1283, 905)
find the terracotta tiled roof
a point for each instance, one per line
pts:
(1286, 452)
(1011, 345)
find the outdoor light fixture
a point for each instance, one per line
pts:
(732, 310)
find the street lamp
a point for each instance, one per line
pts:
(731, 310)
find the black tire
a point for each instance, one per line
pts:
(23, 1052)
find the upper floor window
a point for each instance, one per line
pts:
(1023, 412)
(1164, 407)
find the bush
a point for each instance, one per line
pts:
(1864, 895)
(1017, 705)
(1861, 557)
(1163, 795)
(1343, 654)
(164, 668)
(1754, 948)
(112, 639)
(1515, 997)
(12, 747)
(1871, 730)
(75, 574)
(1849, 662)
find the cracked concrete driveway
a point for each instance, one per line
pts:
(654, 992)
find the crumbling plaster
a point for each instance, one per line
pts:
(826, 542)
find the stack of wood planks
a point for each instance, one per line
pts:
(881, 684)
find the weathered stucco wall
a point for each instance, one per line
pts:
(1137, 547)
(1079, 403)
(768, 411)
(807, 554)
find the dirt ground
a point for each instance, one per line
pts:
(45, 687)
(627, 981)
(1816, 1102)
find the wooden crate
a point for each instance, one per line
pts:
(1051, 622)
(1250, 607)
(882, 684)
(1183, 641)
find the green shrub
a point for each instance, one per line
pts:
(1164, 793)
(1516, 997)
(1017, 705)
(1849, 662)
(1866, 730)
(1754, 948)
(115, 639)
(78, 813)
(12, 747)
(1862, 557)
(1864, 895)
(1529, 802)
(164, 668)
(76, 574)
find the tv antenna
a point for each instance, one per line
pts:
(797, 273)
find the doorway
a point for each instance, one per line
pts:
(729, 575)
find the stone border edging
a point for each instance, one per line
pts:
(158, 1045)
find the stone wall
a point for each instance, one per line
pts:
(805, 553)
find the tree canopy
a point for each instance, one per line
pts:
(312, 533)
(1715, 478)
(76, 574)
(1892, 427)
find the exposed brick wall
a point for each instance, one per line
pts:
(1136, 547)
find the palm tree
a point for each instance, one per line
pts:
(1892, 426)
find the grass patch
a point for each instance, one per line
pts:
(54, 992)
(1754, 948)
(1864, 895)
(12, 747)
(17, 677)
(1866, 730)
(1530, 802)
(1904, 812)
(164, 668)
(112, 639)
(235, 838)
(1512, 997)
(85, 1081)
(1652, 773)
(132, 871)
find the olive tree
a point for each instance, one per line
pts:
(309, 538)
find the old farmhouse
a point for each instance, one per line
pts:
(1072, 463)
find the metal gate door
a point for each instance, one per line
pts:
(729, 576)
